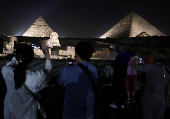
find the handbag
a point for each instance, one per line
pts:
(40, 113)
(97, 91)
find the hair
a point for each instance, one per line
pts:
(131, 52)
(24, 55)
(84, 49)
(123, 47)
(9, 57)
(160, 56)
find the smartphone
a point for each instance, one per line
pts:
(36, 46)
(70, 62)
(140, 60)
(111, 47)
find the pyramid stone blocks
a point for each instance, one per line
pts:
(39, 29)
(131, 26)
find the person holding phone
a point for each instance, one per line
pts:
(79, 100)
(23, 84)
(157, 77)
(120, 72)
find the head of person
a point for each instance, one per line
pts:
(149, 59)
(160, 56)
(83, 51)
(131, 53)
(9, 57)
(24, 56)
(123, 48)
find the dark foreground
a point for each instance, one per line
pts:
(53, 96)
(131, 111)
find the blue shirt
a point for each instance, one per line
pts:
(79, 98)
(121, 62)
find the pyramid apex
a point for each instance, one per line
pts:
(38, 29)
(133, 13)
(40, 19)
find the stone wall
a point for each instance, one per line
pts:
(39, 52)
(104, 53)
(67, 51)
(70, 51)
(9, 46)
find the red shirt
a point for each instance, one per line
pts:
(150, 60)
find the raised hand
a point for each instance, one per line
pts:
(45, 50)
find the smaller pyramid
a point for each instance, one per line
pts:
(131, 26)
(39, 29)
(143, 34)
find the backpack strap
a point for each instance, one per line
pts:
(164, 68)
(36, 98)
(88, 73)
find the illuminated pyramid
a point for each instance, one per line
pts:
(39, 29)
(131, 26)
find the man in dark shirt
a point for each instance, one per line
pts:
(120, 72)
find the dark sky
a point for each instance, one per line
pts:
(80, 18)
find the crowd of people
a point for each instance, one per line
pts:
(153, 100)
(82, 81)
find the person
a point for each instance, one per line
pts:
(120, 72)
(150, 59)
(9, 57)
(2, 84)
(19, 103)
(79, 100)
(157, 76)
(131, 76)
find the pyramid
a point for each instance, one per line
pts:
(39, 29)
(131, 26)
(142, 34)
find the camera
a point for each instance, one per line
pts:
(36, 46)
(70, 62)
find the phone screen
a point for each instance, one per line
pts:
(70, 62)
(36, 46)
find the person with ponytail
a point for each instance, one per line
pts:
(157, 77)
(23, 84)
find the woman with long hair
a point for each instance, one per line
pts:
(24, 84)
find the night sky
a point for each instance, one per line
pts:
(80, 18)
